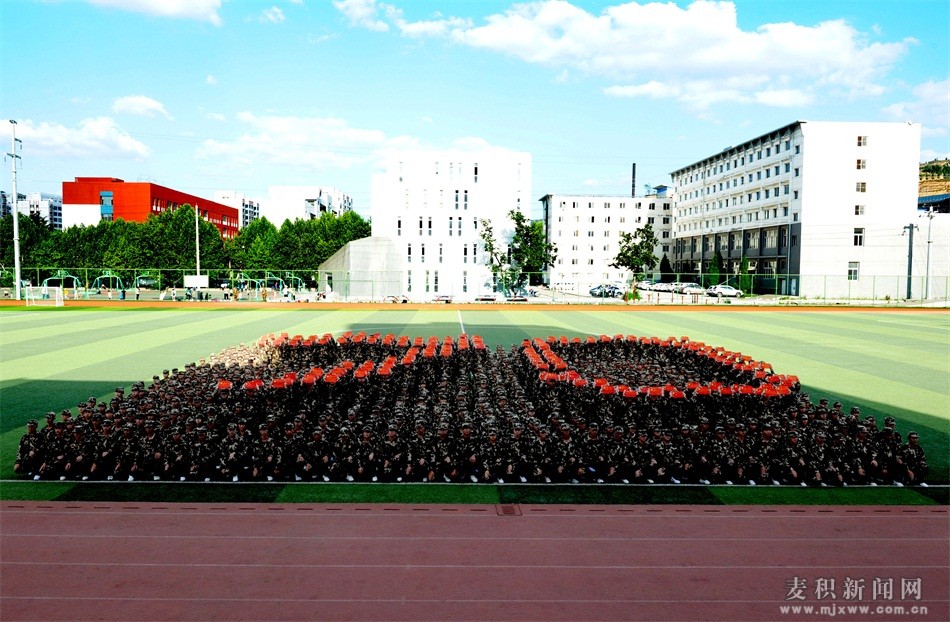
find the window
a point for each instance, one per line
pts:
(399, 226)
(859, 210)
(859, 236)
(798, 148)
(420, 225)
(440, 258)
(862, 141)
(422, 253)
(795, 194)
(862, 164)
(861, 186)
(854, 269)
(796, 171)
(464, 254)
(409, 253)
(430, 225)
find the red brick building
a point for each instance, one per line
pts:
(87, 200)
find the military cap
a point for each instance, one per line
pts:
(392, 426)
(467, 424)
(107, 422)
(232, 426)
(59, 424)
(519, 426)
(855, 410)
(32, 422)
(51, 415)
(912, 434)
(271, 417)
(128, 426)
(202, 428)
(262, 426)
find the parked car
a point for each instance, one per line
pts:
(645, 285)
(442, 298)
(693, 288)
(490, 297)
(606, 291)
(679, 288)
(723, 290)
(662, 287)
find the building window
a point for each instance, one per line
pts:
(859, 210)
(409, 253)
(854, 268)
(862, 141)
(422, 253)
(795, 194)
(862, 164)
(861, 186)
(464, 280)
(399, 226)
(440, 256)
(859, 236)
(430, 226)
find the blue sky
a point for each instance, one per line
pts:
(202, 95)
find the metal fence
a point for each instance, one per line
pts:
(365, 285)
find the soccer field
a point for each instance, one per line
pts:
(893, 363)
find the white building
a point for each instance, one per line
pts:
(303, 203)
(248, 209)
(47, 206)
(586, 231)
(816, 207)
(431, 204)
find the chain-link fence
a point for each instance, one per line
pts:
(367, 285)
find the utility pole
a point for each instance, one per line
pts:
(16, 216)
(930, 218)
(910, 257)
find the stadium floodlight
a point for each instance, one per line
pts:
(16, 213)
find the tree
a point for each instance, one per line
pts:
(666, 270)
(714, 274)
(503, 273)
(745, 279)
(636, 252)
(530, 250)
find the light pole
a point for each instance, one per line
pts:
(16, 215)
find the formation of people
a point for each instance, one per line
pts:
(372, 408)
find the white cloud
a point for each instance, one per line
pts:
(202, 10)
(98, 137)
(301, 142)
(273, 15)
(662, 50)
(931, 108)
(139, 105)
(362, 13)
(929, 155)
(216, 116)
(210, 79)
(80, 100)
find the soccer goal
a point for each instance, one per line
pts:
(43, 296)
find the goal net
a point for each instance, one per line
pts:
(43, 296)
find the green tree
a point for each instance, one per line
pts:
(714, 275)
(503, 273)
(636, 252)
(745, 279)
(666, 270)
(239, 247)
(530, 250)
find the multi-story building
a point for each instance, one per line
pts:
(248, 208)
(804, 203)
(586, 231)
(87, 200)
(431, 205)
(46, 206)
(304, 202)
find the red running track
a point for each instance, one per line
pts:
(110, 561)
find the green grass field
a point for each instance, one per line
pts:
(888, 363)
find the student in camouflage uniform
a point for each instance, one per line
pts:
(29, 457)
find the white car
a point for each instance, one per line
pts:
(727, 291)
(693, 288)
(662, 287)
(679, 288)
